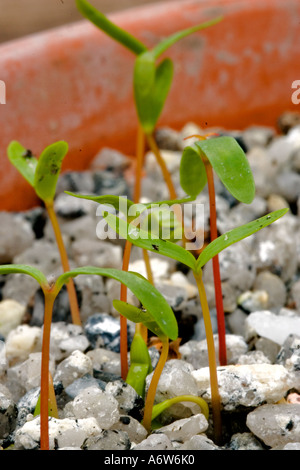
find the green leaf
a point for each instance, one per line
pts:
(138, 315)
(192, 171)
(169, 41)
(112, 30)
(151, 91)
(120, 204)
(151, 299)
(235, 235)
(231, 165)
(140, 365)
(48, 169)
(24, 269)
(143, 239)
(22, 160)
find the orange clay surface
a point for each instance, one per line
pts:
(74, 83)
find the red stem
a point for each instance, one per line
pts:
(216, 267)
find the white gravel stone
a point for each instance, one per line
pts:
(245, 385)
(98, 253)
(16, 235)
(275, 425)
(93, 402)
(66, 338)
(154, 442)
(135, 430)
(11, 315)
(74, 366)
(274, 327)
(183, 429)
(22, 341)
(28, 373)
(62, 433)
(195, 352)
(105, 360)
(199, 442)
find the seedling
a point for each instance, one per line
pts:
(151, 85)
(226, 157)
(171, 250)
(42, 174)
(157, 308)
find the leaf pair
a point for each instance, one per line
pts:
(142, 239)
(151, 82)
(42, 174)
(228, 160)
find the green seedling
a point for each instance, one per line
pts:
(132, 211)
(150, 298)
(151, 85)
(225, 156)
(166, 248)
(42, 174)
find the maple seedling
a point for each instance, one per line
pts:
(42, 174)
(151, 85)
(225, 156)
(167, 248)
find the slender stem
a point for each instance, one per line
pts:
(215, 396)
(123, 321)
(52, 399)
(44, 430)
(154, 148)
(216, 267)
(154, 382)
(65, 263)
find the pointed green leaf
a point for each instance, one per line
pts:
(137, 315)
(236, 235)
(192, 171)
(140, 365)
(151, 299)
(231, 165)
(111, 29)
(23, 160)
(48, 169)
(24, 269)
(151, 92)
(144, 239)
(169, 41)
(120, 204)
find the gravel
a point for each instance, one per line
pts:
(260, 386)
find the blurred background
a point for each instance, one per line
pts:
(21, 17)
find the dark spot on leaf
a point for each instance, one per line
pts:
(155, 247)
(27, 154)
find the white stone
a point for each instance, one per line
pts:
(275, 425)
(93, 402)
(195, 352)
(23, 341)
(65, 338)
(73, 367)
(199, 442)
(154, 442)
(28, 373)
(183, 429)
(274, 327)
(245, 385)
(11, 315)
(62, 433)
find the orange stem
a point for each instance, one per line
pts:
(65, 263)
(154, 148)
(216, 267)
(153, 385)
(44, 425)
(215, 396)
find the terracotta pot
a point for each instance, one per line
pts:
(74, 83)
